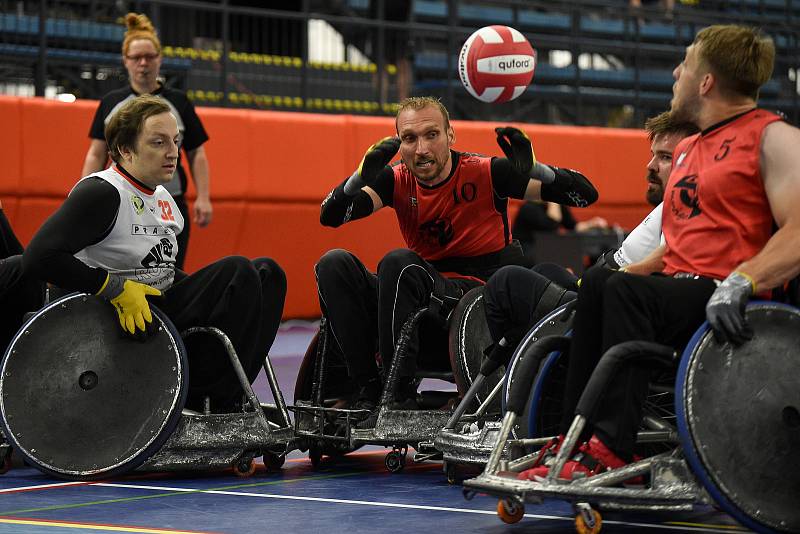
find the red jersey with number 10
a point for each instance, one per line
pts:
(716, 214)
(453, 219)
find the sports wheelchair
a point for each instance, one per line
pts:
(323, 390)
(80, 400)
(467, 440)
(736, 424)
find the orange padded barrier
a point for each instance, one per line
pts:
(270, 171)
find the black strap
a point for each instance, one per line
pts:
(550, 300)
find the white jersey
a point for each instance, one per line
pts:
(141, 245)
(642, 240)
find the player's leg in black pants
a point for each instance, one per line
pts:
(405, 284)
(516, 298)
(19, 294)
(223, 295)
(587, 336)
(348, 295)
(648, 308)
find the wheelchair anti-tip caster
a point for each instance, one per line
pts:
(395, 460)
(510, 511)
(587, 519)
(244, 467)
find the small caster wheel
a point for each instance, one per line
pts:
(5, 466)
(395, 461)
(315, 455)
(451, 472)
(588, 521)
(245, 467)
(273, 461)
(510, 511)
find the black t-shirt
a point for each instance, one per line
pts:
(191, 129)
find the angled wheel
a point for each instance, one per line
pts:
(738, 414)
(510, 511)
(102, 403)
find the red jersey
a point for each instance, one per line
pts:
(456, 218)
(716, 214)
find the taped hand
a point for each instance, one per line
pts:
(725, 309)
(517, 148)
(377, 157)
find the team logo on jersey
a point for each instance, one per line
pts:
(138, 204)
(439, 232)
(158, 254)
(412, 201)
(683, 200)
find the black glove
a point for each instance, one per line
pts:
(725, 309)
(517, 148)
(377, 157)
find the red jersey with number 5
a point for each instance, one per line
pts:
(716, 214)
(456, 218)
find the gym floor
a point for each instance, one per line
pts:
(352, 494)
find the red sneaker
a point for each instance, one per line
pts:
(593, 458)
(543, 460)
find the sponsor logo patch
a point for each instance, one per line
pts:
(138, 204)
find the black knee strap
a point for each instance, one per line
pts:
(552, 297)
(440, 307)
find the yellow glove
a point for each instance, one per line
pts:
(129, 300)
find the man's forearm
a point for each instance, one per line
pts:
(778, 262)
(198, 164)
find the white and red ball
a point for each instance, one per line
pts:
(496, 64)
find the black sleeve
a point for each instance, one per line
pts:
(507, 181)
(97, 130)
(85, 218)
(194, 134)
(339, 208)
(9, 244)
(570, 188)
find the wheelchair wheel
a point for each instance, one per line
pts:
(739, 418)
(81, 400)
(468, 337)
(542, 414)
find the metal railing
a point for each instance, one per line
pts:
(600, 61)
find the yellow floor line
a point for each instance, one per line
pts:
(90, 526)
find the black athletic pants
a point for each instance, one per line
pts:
(512, 296)
(244, 299)
(365, 311)
(615, 307)
(19, 294)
